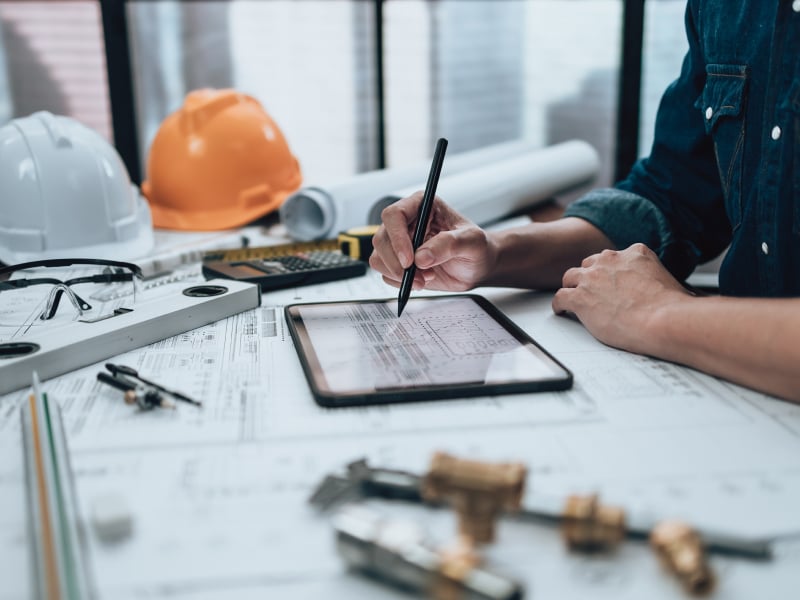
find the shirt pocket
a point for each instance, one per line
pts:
(791, 108)
(722, 104)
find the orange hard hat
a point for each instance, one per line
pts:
(218, 162)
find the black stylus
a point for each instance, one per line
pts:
(422, 221)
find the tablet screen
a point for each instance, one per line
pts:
(360, 352)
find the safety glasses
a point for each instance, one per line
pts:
(32, 292)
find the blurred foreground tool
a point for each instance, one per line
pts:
(477, 491)
(364, 481)
(397, 552)
(60, 568)
(680, 550)
(591, 526)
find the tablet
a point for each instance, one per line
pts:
(360, 352)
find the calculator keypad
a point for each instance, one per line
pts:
(274, 272)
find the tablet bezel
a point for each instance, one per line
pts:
(327, 398)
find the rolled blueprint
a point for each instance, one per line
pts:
(317, 212)
(494, 190)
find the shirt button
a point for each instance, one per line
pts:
(710, 111)
(776, 133)
(764, 248)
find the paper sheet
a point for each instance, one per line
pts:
(497, 189)
(219, 495)
(485, 184)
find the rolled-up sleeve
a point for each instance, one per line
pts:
(672, 200)
(626, 218)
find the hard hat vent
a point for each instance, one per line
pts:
(218, 162)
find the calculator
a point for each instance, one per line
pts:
(290, 270)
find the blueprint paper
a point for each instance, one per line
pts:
(497, 189)
(219, 494)
(486, 184)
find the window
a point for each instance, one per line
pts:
(52, 58)
(483, 72)
(310, 64)
(478, 72)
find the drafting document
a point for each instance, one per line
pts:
(218, 494)
(494, 190)
(484, 184)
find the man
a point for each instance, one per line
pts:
(724, 170)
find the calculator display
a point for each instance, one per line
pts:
(246, 269)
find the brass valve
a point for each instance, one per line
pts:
(681, 551)
(591, 526)
(477, 491)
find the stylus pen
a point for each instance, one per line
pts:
(422, 221)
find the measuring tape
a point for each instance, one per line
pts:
(355, 243)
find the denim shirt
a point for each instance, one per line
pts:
(724, 169)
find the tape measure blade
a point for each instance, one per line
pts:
(262, 252)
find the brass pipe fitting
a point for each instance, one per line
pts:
(477, 491)
(680, 550)
(590, 526)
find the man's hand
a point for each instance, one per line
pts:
(616, 294)
(456, 254)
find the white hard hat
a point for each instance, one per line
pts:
(65, 192)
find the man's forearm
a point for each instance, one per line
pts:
(754, 342)
(535, 256)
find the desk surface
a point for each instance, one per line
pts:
(219, 495)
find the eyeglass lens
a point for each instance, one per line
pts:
(42, 295)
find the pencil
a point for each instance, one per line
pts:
(422, 221)
(56, 535)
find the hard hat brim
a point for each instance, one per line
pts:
(212, 220)
(137, 242)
